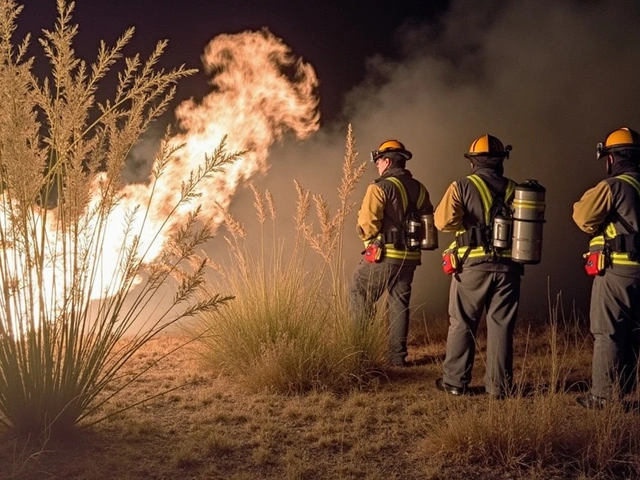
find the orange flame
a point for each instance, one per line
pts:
(259, 92)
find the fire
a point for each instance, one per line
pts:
(259, 92)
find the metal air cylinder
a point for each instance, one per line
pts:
(429, 240)
(501, 232)
(413, 234)
(528, 219)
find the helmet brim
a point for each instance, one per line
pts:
(376, 154)
(604, 151)
(498, 155)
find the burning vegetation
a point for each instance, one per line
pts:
(85, 256)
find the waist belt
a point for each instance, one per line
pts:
(391, 236)
(474, 237)
(396, 238)
(625, 243)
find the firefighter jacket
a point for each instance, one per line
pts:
(610, 213)
(465, 210)
(383, 209)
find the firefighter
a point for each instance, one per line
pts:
(388, 262)
(484, 277)
(610, 213)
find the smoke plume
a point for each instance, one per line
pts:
(549, 77)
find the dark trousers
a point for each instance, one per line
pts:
(615, 325)
(473, 292)
(370, 280)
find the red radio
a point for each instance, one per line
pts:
(595, 263)
(449, 262)
(373, 252)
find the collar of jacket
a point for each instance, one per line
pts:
(495, 181)
(618, 168)
(486, 171)
(394, 171)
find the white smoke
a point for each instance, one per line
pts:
(549, 77)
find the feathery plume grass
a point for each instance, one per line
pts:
(62, 153)
(329, 242)
(288, 331)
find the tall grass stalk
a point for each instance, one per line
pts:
(566, 335)
(62, 153)
(329, 242)
(288, 329)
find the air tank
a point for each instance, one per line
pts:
(414, 234)
(528, 220)
(429, 240)
(501, 232)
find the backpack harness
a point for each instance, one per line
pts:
(480, 235)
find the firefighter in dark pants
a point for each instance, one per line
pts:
(484, 278)
(610, 212)
(387, 263)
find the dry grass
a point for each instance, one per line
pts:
(288, 329)
(399, 427)
(78, 262)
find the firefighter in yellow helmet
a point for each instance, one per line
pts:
(389, 259)
(484, 277)
(610, 213)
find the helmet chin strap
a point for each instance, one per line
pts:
(609, 163)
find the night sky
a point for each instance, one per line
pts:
(334, 36)
(552, 78)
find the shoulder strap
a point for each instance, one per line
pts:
(635, 184)
(403, 191)
(487, 198)
(511, 188)
(485, 195)
(406, 201)
(630, 180)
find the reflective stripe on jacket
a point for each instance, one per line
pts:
(383, 211)
(391, 250)
(484, 252)
(623, 192)
(467, 204)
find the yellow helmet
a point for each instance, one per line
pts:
(390, 146)
(621, 139)
(488, 146)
